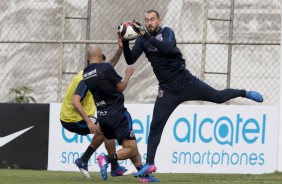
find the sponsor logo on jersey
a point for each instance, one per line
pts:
(90, 74)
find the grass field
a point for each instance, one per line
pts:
(11, 176)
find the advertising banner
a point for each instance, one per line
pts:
(24, 136)
(196, 139)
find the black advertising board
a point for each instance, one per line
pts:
(24, 130)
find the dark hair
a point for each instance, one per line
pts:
(154, 11)
(104, 57)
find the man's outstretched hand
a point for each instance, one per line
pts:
(140, 27)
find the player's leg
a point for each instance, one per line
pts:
(82, 162)
(129, 151)
(111, 148)
(164, 106)
(135, 159)
(81, 128)
(125, 136)
(119, 127)
(199, 90)
(116, 169)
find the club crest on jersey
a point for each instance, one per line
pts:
(131, 134)
(160, 93)
(159, 37)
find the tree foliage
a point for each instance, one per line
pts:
(21, 95)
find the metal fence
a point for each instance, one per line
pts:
(227, 43)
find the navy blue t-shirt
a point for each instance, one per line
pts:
(164, 56)
(101, 79)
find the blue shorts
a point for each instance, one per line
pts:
(79, 127)
(117, 127)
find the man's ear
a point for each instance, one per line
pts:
(160, 22)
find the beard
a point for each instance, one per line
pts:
(152, 29)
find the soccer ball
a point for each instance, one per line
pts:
(128, 31)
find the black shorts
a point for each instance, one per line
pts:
(117, 127)
(79, 127)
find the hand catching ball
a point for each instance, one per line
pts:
(128, 31)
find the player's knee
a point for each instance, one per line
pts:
(219, 99)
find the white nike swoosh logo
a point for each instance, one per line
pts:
(9, 138)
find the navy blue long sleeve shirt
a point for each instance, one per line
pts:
(164, 56)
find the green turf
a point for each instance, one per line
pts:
(11, 176)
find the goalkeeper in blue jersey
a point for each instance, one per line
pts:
(176, 83)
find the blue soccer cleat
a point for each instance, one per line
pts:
(146, 169)
(103, 164)
(255, 96)
(83, 167)
(148, 179)
(121, 171)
